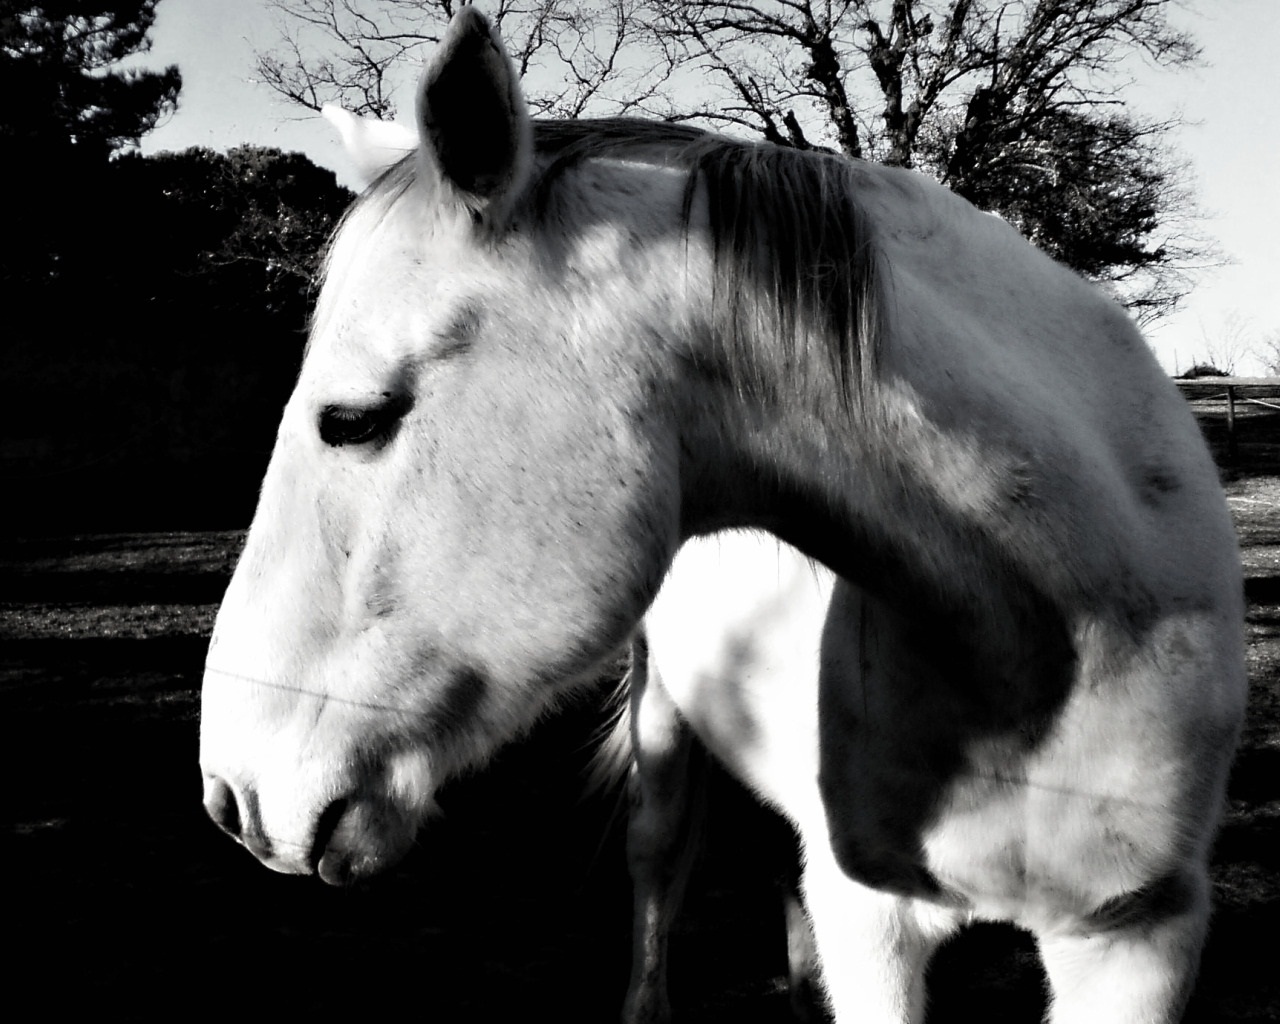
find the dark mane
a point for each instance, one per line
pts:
(793, 248)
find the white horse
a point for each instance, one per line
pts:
(545, 356)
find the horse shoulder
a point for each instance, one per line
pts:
(1028, 401)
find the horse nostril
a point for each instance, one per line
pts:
(220, 804)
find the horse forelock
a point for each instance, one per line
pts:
(794, 257)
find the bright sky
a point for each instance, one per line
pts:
(1231, 138)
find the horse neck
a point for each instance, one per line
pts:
(847, 488)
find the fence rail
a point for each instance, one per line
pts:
(1263, 391)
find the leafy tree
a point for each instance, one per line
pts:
(154, 368)
(1015, 104)
(221, 254)
(63, 94)
(217, 294)
(65, 109)
(256, 213)
(164, 299)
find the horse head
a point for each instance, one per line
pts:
(472, 495)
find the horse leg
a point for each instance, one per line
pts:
(874, 946)
(1138, 970)
(665, 784)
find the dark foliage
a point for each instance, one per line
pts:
(154, 358)
(1089, 190)
(156, 306)
(1202, 370)
(64, 109)
(63, 97)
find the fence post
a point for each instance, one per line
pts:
(1231, 423)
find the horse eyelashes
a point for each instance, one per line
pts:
(342, 425)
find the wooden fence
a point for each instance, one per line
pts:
(1263, 391)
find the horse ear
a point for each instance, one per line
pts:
(373, 145)
(472, 114)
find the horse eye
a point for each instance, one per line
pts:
(355, 425)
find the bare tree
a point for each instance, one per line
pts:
(1267, 351)
(1226, 345)
(363, 54)
(1015, 104)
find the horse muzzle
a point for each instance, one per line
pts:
(349, 839)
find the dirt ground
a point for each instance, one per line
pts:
(123, 901)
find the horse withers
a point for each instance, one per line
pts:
(545, 355)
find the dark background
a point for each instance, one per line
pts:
(157, 335)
